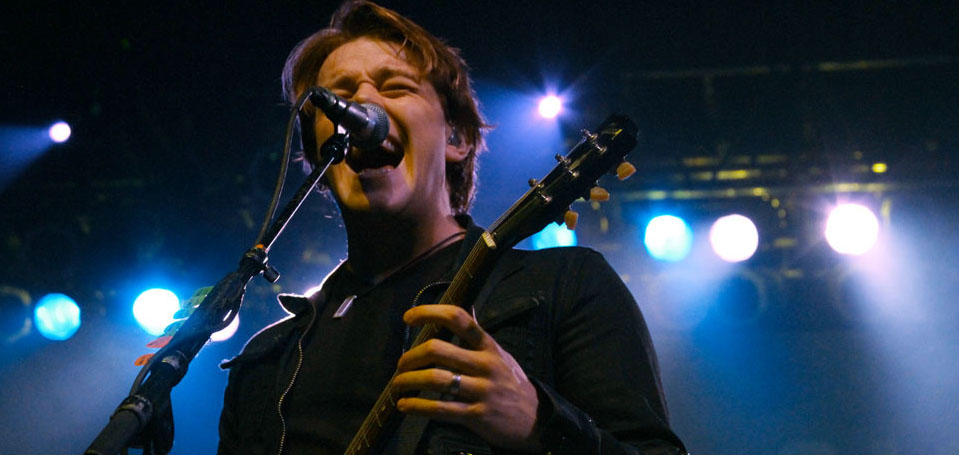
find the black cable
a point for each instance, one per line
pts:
(285, 160)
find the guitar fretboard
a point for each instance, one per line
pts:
(460, 292)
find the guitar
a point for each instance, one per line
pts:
(547, 200)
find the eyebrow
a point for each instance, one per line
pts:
(393, 70)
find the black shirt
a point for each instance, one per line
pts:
(349, 360)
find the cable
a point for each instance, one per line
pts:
(285, 160)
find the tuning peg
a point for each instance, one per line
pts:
(598, 194)
(570, 219)
(624, 170)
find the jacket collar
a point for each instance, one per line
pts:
(271, 337)
(296, 304)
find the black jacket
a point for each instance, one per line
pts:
(562, 313)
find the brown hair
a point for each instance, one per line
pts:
(441, 64)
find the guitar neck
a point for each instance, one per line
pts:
(461, 292)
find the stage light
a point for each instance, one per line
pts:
(57, 316)
(154, 310)
(59, 132)
(852, 229)
(550, 106)
(553, 235)
(227, 331)
(734, 238)
(668, 238)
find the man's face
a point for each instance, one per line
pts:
(406, 175)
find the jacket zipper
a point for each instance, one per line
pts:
(299, 361)
(296, 372)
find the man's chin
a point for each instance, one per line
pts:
(370, 204)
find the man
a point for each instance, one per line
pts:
(554, 356)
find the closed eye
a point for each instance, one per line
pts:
(398, 86)
(345, 94)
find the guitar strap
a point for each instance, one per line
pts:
(411, 429)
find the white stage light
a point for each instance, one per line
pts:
(734, 238)
(154, 310)
(59, 132)
(550, 106)
(852, 229)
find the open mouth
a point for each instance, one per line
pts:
(387, 156)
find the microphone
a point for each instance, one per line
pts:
(367, 123)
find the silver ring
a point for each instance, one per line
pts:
(454, 387)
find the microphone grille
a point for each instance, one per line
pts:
(379, 127)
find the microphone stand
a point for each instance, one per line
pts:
(148, 406)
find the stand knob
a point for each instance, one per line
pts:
(271, 274)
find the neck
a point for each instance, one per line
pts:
(378, 247)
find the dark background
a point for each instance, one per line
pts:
(177, 130)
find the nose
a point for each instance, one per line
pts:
(365, 93)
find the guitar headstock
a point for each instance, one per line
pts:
(549, 198)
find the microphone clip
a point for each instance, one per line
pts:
(335, 147)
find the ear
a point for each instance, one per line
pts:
(457, 147)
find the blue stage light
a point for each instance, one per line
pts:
(553, 235)
(20, 146)
(668, 238)
(57, 316)
(154, 310)
(59, 132)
